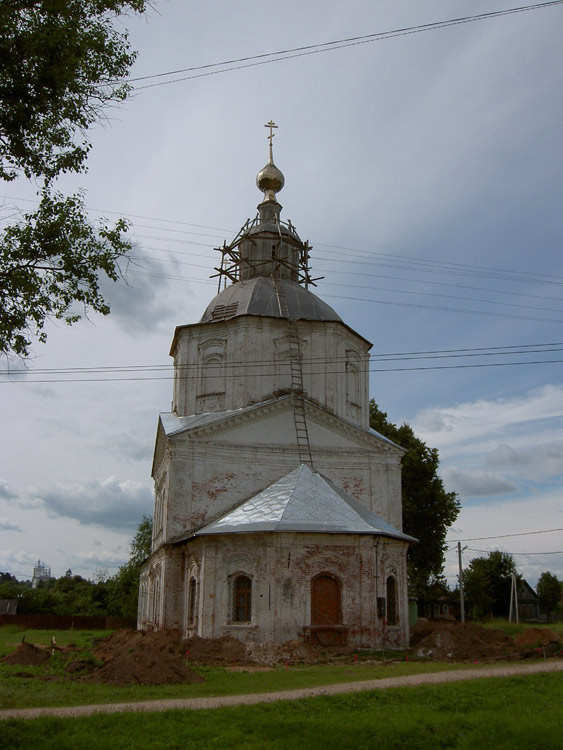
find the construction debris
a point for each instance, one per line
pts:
(159, 657)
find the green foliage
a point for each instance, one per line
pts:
(68, 595)
(549, 591)
(141, 545)
(49, 261)
(513, 628)
(123, 588)
(428, 510)
(7, 578)
(63, 62)
(487, 582)
(74, 595)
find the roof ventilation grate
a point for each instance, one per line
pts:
(222, 312)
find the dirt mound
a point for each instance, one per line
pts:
(147, 658)
(537, 637)
(461, 641)
(217, 651)
(29, 655)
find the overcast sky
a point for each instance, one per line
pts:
(425, 169)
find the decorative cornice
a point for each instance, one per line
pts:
(284, 404)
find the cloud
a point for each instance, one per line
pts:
(102, 502)
(17, 562)
(102, 558)
(6, 525)
(6, 491)
(133, 445)
(536, 462)
(476, 483)
(534, 417)
(140, 302)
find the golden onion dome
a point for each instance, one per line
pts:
(270, 179)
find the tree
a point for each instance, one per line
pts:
(142, 541)
(123, 588)
(428, 510)
(549, 592)
(487, 583)
(63, 63)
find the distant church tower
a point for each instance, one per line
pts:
(41, 574)
(277, 509)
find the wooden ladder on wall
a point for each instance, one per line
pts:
(296, 370)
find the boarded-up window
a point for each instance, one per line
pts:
(242, 599)
(325, 601)
(213, 375)
(392, 618)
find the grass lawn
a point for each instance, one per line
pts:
(11, 636)
(49, 685)
(59, 690)
(517, 713)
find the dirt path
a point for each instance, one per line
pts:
(554, 665)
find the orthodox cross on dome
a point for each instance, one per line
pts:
(271, 125)
(270, 137)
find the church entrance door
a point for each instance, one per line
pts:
(325, 601)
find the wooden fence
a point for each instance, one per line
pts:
(68, 622)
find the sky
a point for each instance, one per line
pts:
(425, 169)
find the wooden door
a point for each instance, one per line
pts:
(325, 601)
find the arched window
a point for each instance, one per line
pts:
(242, 599)
(392, 613)
(325, 600)
(192, 588)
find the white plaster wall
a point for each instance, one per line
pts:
(208, 478)
(257, 366)
(282, 567)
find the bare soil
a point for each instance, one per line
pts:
(28, 655)
(537, 637)
(154, 658)
(147, 658)
(452, 641)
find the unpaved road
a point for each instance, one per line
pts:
(553, 665)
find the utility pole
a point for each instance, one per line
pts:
(514, 598)
(461, 600)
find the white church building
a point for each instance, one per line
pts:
(277, 509)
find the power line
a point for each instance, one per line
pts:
(365, 257)
(556, 552)
(335, 372)
(504, 536)
(377, 288)
(311, 49)
(312, 361)
(394, 303)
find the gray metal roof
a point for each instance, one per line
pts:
(257, 296)
(173, 424)
(303, 501)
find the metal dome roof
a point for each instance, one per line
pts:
(257, 296)
(303, 501)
